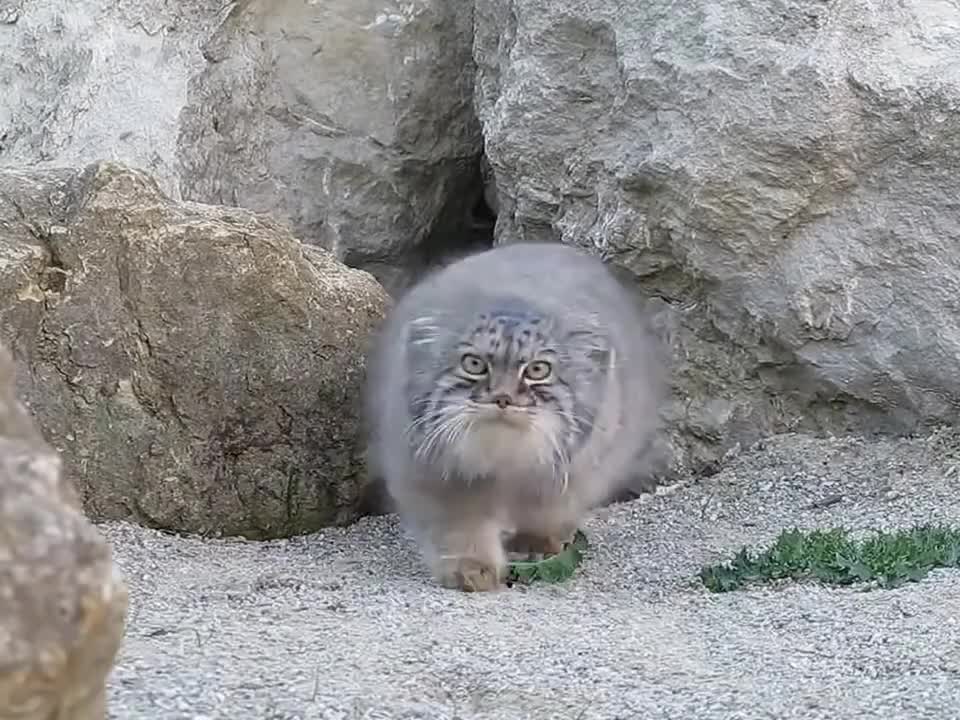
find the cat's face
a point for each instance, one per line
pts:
(511, 388)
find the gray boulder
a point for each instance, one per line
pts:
(780, 177)
(351, 119)
(198, 366)
(85, 81)
(62, 603)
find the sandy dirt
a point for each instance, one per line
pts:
(346, 623)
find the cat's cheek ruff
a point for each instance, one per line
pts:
(573, 418)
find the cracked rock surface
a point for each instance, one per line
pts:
(197, 366)
(781, 174)
(346, 624)
(62, 602)
(352, 120)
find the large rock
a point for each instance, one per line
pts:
(62, 602)
(198, 366)
(783, 175)
(352, 119)
(355, 118)
(86, 80)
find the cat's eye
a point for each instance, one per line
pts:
(538, 370)
(473, 364)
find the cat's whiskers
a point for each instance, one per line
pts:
(459, 427)
(577, 425)
(557, 458)
(438, 424)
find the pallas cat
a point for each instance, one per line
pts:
(508, 394)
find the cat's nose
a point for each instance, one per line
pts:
(503, 400)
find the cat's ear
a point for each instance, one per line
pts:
(593, 347)
(601, 355)
(421, 331)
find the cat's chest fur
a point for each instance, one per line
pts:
(507, 455)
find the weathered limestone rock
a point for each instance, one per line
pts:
(62, 603)
(198, 366)
(355, 118)
(783, 175)
(84, 80)
(351, 119)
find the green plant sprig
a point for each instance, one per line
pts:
(554, 569)
(888, 558)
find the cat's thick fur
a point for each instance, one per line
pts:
(508, 394)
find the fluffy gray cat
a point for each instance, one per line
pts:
(508, 394)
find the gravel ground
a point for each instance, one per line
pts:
(345, 623)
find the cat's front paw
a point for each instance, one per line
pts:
(470, 575)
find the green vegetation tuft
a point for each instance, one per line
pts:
(554, 569)
(888, 558)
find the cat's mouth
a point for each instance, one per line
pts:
(510, 415)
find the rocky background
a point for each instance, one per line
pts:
(204, 207)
